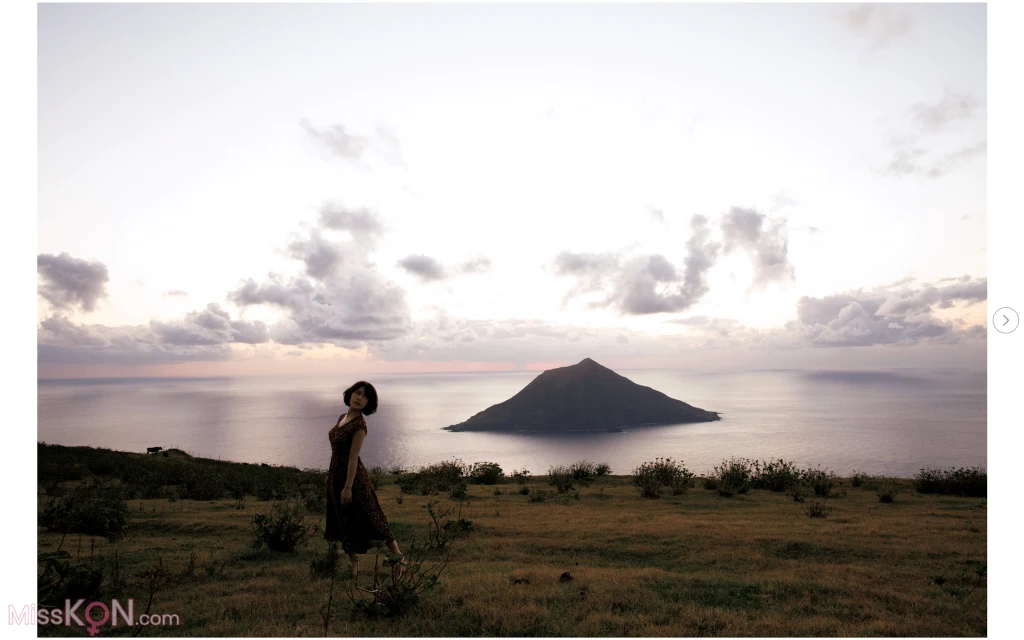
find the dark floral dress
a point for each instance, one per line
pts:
(357, 523)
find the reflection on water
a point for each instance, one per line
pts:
(880, 422)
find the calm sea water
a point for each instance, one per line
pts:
(891, 422)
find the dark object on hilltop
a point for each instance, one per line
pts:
(153, 449)
(583, 397)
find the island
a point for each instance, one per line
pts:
(583, 397)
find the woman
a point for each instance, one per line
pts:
(353, 514)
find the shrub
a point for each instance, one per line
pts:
(458, 489)
(524, 490)
(202, 483)
(650, 477)
(60, 580)
(602, 469)
(817, 509)
(733, 476)
(398, 593)
(377, 477)
(965, 482)
(799, 491)
(442, 476)
(325, 566)
(887, 492)
(283, 529)
(583, 472)
(445, 476)
(861, 479)
(561, 478)
(646, 481)
(537, 495)
(410, 483)
(775, 475)
(89, 509)
(520, 475)
(486, 473)
(442, 527)
(820, 481)
(710, 483)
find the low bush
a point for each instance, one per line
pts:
(283, 529)
(887, 492)
(817, 509)
(650, 477)
(734, 476)
(61, 579)
(964, 482)
(583, 472)
(861, 479)
(537, 495)
(486, 473)
(377, 477)
(820, 481)
(561, 478)
(95, 510)
(774, 475)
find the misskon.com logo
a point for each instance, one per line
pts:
(92, 616)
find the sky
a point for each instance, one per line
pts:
(321, 189)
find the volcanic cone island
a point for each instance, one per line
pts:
(583, 397)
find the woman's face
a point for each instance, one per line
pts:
(358, 399)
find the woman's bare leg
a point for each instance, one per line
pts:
(354, 557)
(393, 545)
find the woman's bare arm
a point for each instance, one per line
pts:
(353, 457)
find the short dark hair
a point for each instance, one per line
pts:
(368, 391)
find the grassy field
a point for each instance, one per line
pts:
(695, 564)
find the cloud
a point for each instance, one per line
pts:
(364, 225)
(476, 265)
(656, 213)
(885, 316)
(947, 162)
(643, 284)
(175, 293)
(429, 269)
(71, 282)
(338, 140)
(211, 326)
(390, 148)
(952, 107)
(322, 257)
(767, 245)
(61, 341)
(341, 299)
(927, 123)
(879, 24)
(344, 143)
(344, 310)
(424, 267)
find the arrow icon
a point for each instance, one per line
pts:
(1007, 319)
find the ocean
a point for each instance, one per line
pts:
(879, 422)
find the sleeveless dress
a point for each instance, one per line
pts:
(357, 523)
